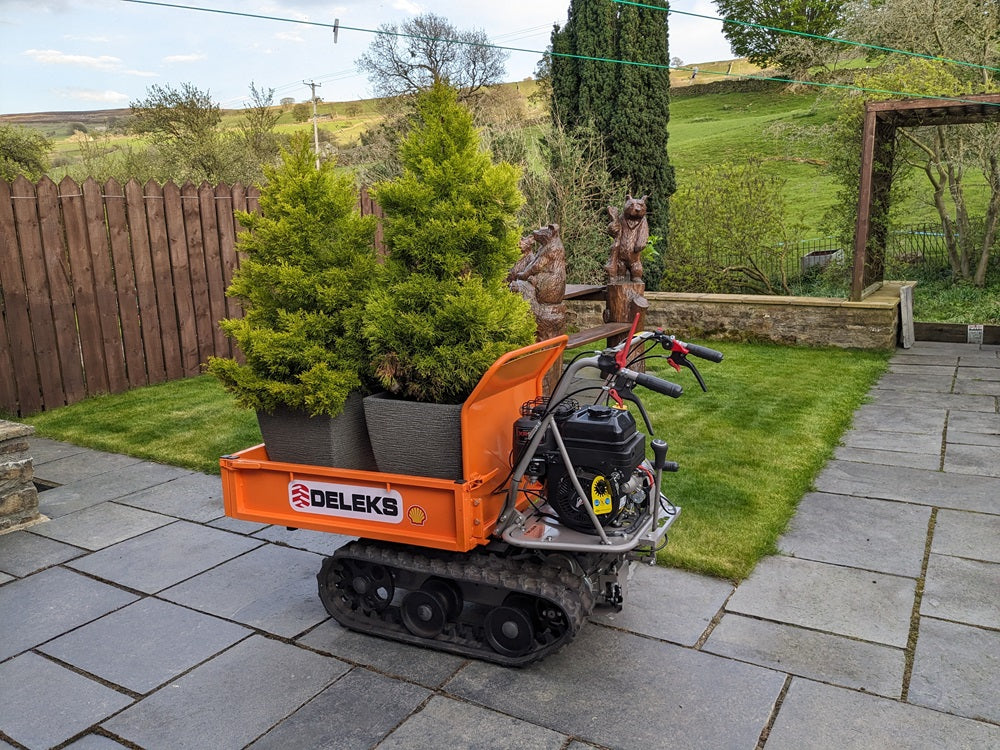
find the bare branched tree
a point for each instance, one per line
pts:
(412, 56)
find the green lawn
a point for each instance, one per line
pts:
(748, 449)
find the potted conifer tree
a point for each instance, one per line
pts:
(309, 261)
(443, 313)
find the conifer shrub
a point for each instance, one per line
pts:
(310, 260)
(444, 313)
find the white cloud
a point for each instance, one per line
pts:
(191, 57)
(55, 57)
(407, 7)
(92, 95)
(141, 73)
(289, 36)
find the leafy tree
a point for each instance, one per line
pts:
(183, 124)
(790, 53)
(728, 231)
(260, 144)
(445, 314)
(301, 112)
(967, 30)
(583, 90)
(427, 49)
(309, 260)
(23, 152)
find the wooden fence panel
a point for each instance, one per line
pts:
(213, 268)
(124, 277)
(227, 253)
(203, 324)
(24, 370)
(163, 275)
(70, 361)
(145, 283)
(36, 284)
(104, 286)
(179, 263)
(82, 272)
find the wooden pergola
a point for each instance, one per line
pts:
(877, 155)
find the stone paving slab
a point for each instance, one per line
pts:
(905, 357)
(621, 690)
(919, 383)
(237, 526)
(980, 387)
(23, 553)
(823, 717)
(4, 578)
(229, 701)
(987, 424)
(929, 460)
(858, 533)
(956, 669)
(856, 603)
(448, 723)
(819, 656)
(373, 705)
(977, 460)
(979, 359)
(180, 550)
(925, 445)
(973, 438)
(672, 605)
(909, 367)
(976, 372)
(100, 525)
(145, 644)
(972, 535)
(271, 588)
(194, 497)
(44, 450)
(320, 542)
(962, 492)
(68, 465)
(962, 590)
(952, 401)
(937, 348)
(411, 663)
(45, 704)
(882, 418)
(95, 742)
(77, 495)
(50, 603)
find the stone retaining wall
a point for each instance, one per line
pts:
(18, 496)
(872, 323)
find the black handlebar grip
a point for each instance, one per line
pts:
(704, 352)
(659, 385)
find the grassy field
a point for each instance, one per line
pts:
(749, 448)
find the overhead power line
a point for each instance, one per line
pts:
(654, 66)
(807, 35)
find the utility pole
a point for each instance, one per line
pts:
(313, 85)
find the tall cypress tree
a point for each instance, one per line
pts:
(628, 104)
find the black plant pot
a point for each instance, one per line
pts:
(413, 438)
(342, 441)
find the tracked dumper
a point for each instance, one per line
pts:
(505, 563)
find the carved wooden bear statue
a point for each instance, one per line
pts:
(540, 277)
(631, 232)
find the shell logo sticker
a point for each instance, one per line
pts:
(416, 515)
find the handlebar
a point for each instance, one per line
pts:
(654, 383)
(703, 352)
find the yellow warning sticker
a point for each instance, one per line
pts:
(600, 495)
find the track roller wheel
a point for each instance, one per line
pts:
(509, 630)
(368, 586)
(426, 611)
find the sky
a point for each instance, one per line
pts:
(76, 55)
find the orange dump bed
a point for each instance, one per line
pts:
(438, 513)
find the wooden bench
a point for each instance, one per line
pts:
(596, 334)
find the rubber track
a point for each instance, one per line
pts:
(570, 593)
